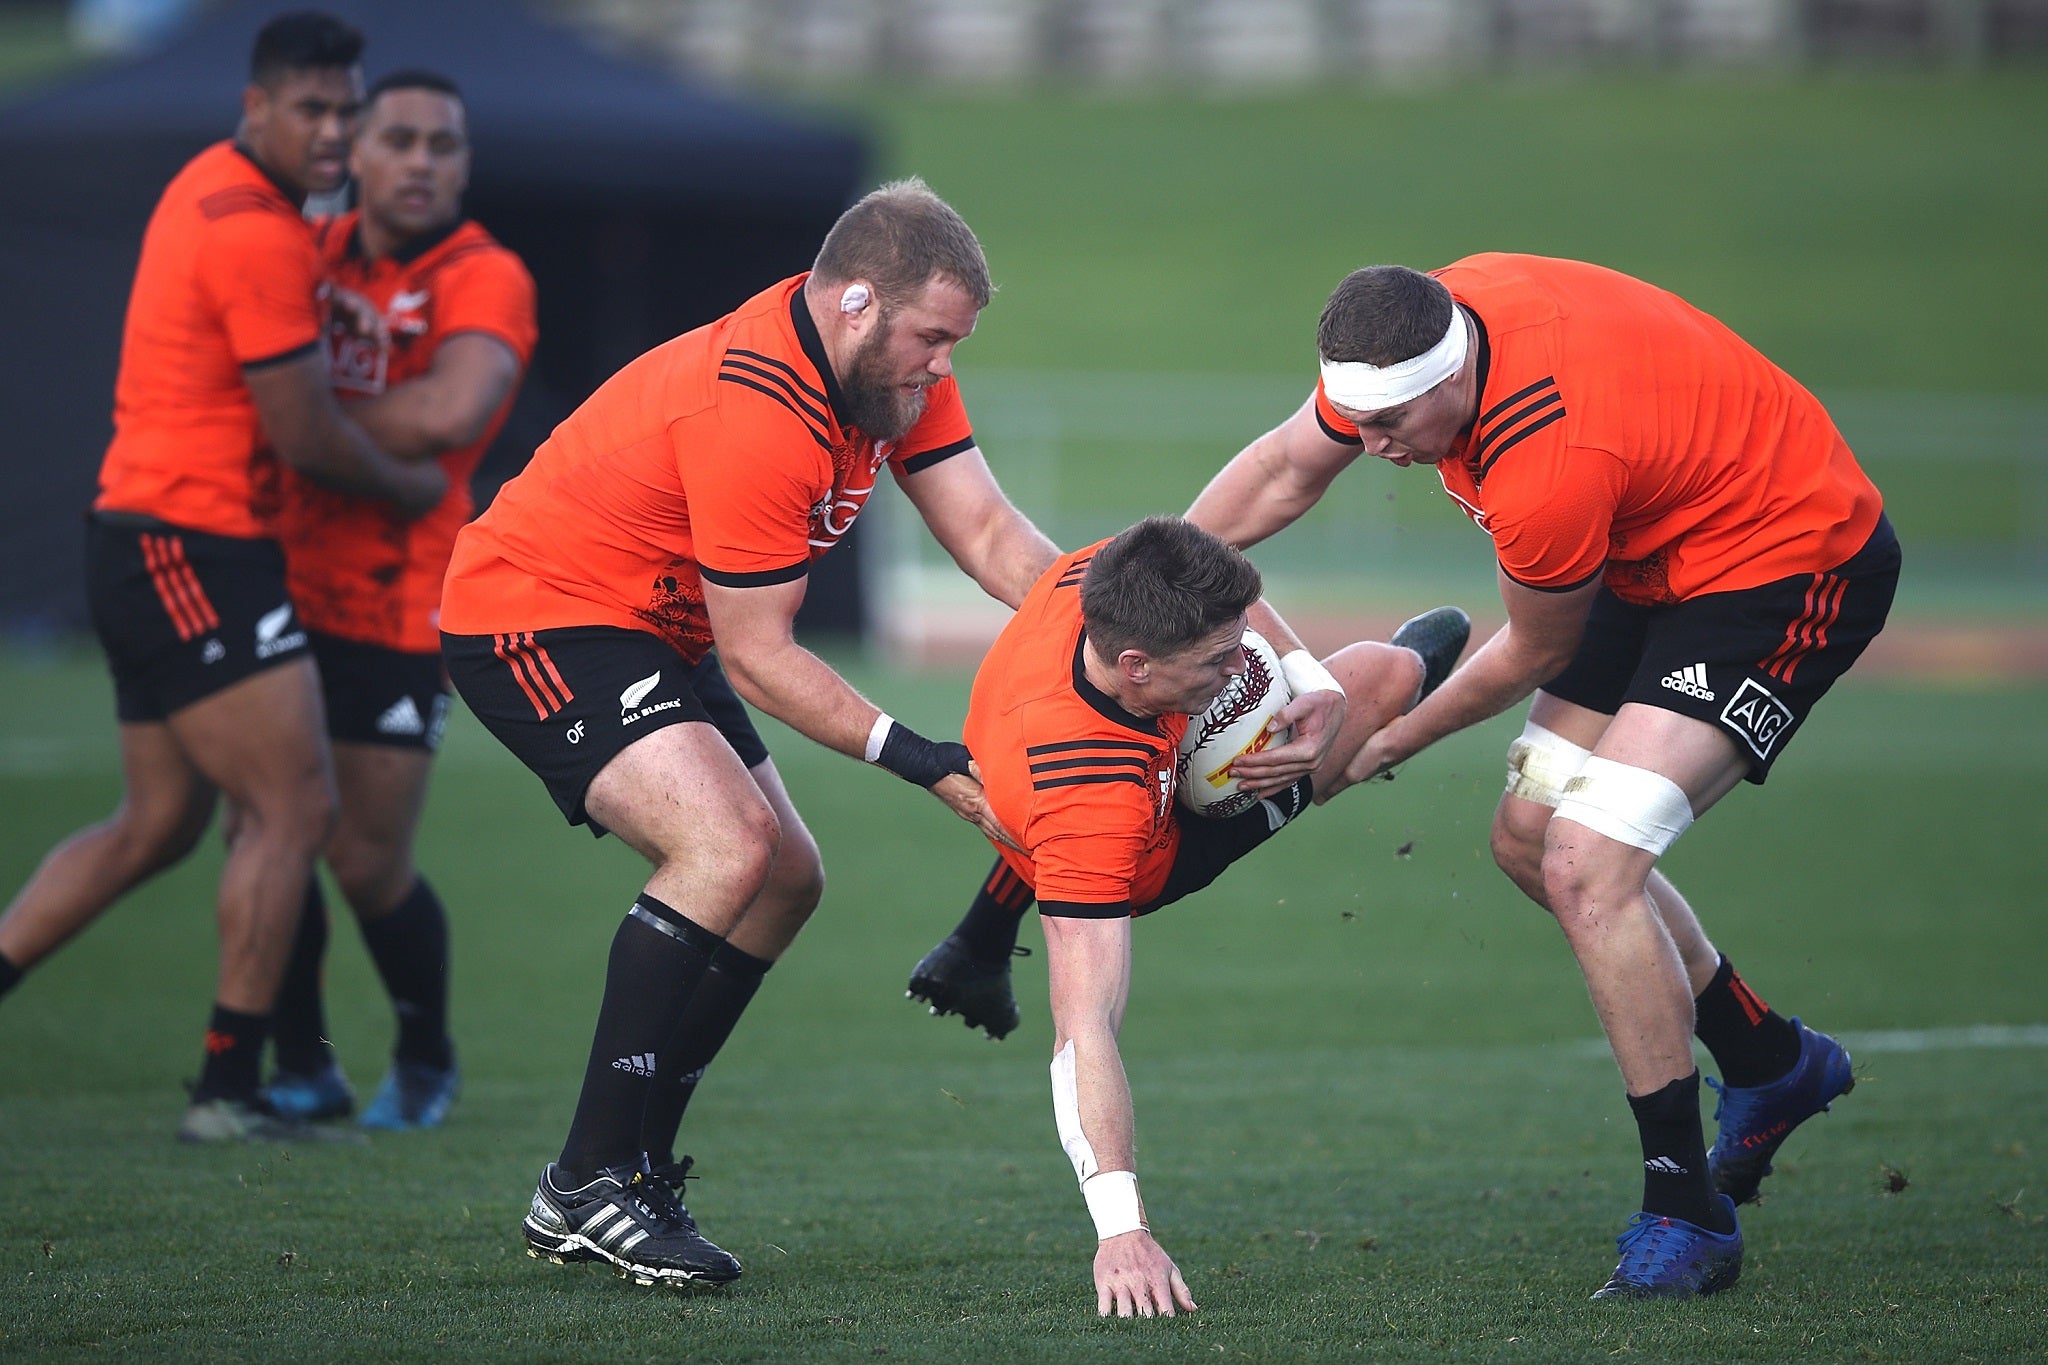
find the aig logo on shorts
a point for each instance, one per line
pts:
(1758, 716)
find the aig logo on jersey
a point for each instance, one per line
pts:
(1758, 716)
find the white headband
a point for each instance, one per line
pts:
(1370, 388)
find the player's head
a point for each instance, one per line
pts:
(1395, 355)
(899, 282)
(411, 154)
(1164, 605)
(299, 108)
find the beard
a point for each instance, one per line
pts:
(875, 402)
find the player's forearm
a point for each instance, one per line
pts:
(335, 453)
(803, 692)
(417, 421)
(1258, 493)
(1502, 672)
(1016, 553)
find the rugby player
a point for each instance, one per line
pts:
(1075, 719)
(681, 508)
(1689, 556)
(222, 382)
(451, 328)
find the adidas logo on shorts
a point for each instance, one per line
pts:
(402, 717)
(1691, 680)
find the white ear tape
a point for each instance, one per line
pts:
(854, 299)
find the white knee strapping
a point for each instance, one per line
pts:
(1540, 763)
(1635, 806)
(1066, 1114)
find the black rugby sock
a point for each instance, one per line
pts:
(1751, 1043)
(990, 928)
(722, 996)
(658, 958)
(1675, 1179)
(410, 948)
(234, 1046)
(298, 1022)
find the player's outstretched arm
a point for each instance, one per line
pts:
(1539, 639)
(993, 543)
(449, 406)
(1272, 481)
(770, 670)
(307, 428)
(1088, 961)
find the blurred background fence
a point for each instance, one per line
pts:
(1278, 41)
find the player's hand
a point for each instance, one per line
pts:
(1375, 760)
(967, 799)
(1315, 718)
(420, 487)
(357, 316)
(1134, 1277)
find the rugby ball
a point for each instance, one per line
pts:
(1238, 722)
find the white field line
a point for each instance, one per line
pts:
(1859, 1042)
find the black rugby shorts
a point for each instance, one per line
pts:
(1751, 662)
(567, 701)
(183, 614)
(377, 695)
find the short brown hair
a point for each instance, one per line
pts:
(1162, 585)
(1383, 315)
(899, 237)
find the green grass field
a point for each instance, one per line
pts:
(1375, 1117)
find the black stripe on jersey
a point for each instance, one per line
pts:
(1076, 571)
(795, 378)
(1085, 909)
(764, 578)
(1524, 434)
(1547, 381)
(799, 393)
(1053, 765)
(925, 459)
(1353, 439)
(1568, 587)
(238, 199)
(1087, 779)
(282, 357)
(781, 398)
(1067, 746)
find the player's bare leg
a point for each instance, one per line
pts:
(165, 808)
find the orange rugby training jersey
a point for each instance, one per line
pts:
(227, 280)
(1623, 432)
(355, 568)
(720, 455)
(1085, 786)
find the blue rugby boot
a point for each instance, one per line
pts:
(318, 1097)
(1669, 1258)
(1755, 1120)
(413, 1095)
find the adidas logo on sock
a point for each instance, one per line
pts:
(1691, 680)
(640, 1065)
(402, 717)
(1657, 1165)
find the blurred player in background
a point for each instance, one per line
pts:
(1076, 716)
(222, 381)
(680, 507)
(1690, 556)
(432, 328)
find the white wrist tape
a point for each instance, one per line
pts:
(1113, 1203)
(1066, 1114)
(1305, 673)
(877, 735)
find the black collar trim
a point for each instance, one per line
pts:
(292, 193)
(1105, 705)
(814, 349)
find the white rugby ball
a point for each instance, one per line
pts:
(1238, 722)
